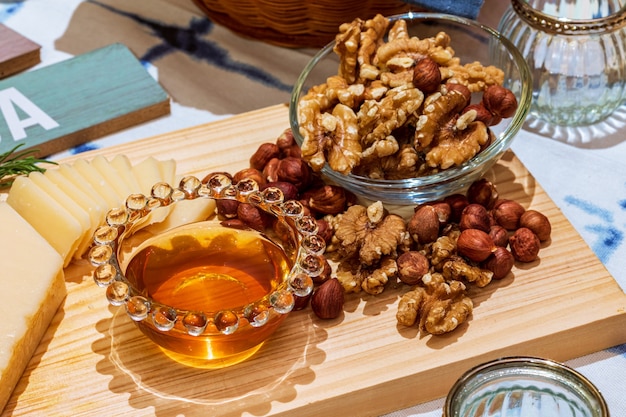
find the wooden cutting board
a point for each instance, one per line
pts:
(93, 361)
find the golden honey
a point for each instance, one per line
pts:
(208, 268)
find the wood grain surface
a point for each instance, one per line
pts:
(93, 361)
(17, 52)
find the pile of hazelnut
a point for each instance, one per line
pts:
(485, 234)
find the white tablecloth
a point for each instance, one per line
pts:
(583, 170)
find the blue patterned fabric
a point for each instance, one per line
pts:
(465, 8)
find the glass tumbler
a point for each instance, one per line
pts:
(524, 387)
(576, 50)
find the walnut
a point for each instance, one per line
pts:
(369, 233)
(440, 306)
(473, 75)
(349, 275)
(361, 119)
(373, 282)
(456, 268)
(443, 248)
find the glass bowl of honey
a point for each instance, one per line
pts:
(208, 292)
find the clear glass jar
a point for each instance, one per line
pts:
(524, 387)
(576, 50)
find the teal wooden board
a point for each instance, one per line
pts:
(77, 100)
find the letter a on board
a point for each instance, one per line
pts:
(11, 98)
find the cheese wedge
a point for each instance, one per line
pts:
(47, 216)
(96, 211)
(33, 288)
(73, 207)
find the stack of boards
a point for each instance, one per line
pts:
(48, 220)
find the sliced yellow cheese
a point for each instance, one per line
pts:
(33, 288)
(96, 210)
(124, 169)
(168, 172)
(147, 173)
(110, 174)
(181, 212)
(73, 207)
(47, 216)
(72, 174)
(100, 185)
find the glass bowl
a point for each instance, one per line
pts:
(471, 42)
(576, 55)
(208, 293)
(524, 386)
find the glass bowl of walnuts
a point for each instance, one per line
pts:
(410, 108)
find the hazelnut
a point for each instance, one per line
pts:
(295, 171)
(537, 222)
(500, 262)
(443, 210)
(482, 114)
(254, 217)
(426, 75)
(234, 224)
(301, 302)
(286, 139)
(227, 208)
(482, 192)
(499, 235)
(507, 213)
(327, 199)
(270, 171)
(475, 245)
(324, 230)
(461, 88)
(457, 203)
(327, 300)
(412, 266)
(325, 275)
(264, 153)
(524, 245)
(423, 226)
(251, 173)
(475, 216)
(289, 190)
(500, 101)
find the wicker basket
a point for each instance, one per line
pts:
(299, 23)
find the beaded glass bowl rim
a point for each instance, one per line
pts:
(308, 260)
(563, 26)
(530, 367)
(432, 186)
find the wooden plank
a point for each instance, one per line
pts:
(17, 52)
(93, 361)
(77, 100)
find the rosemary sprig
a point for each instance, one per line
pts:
(13, 163)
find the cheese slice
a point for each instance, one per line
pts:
(168, 172)
(110, 174)
(96, 211)
(69, 172)
(33, 288)
(100, 185)
(47, 216)
(73, 207)
(124, 170)
(147, 173)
